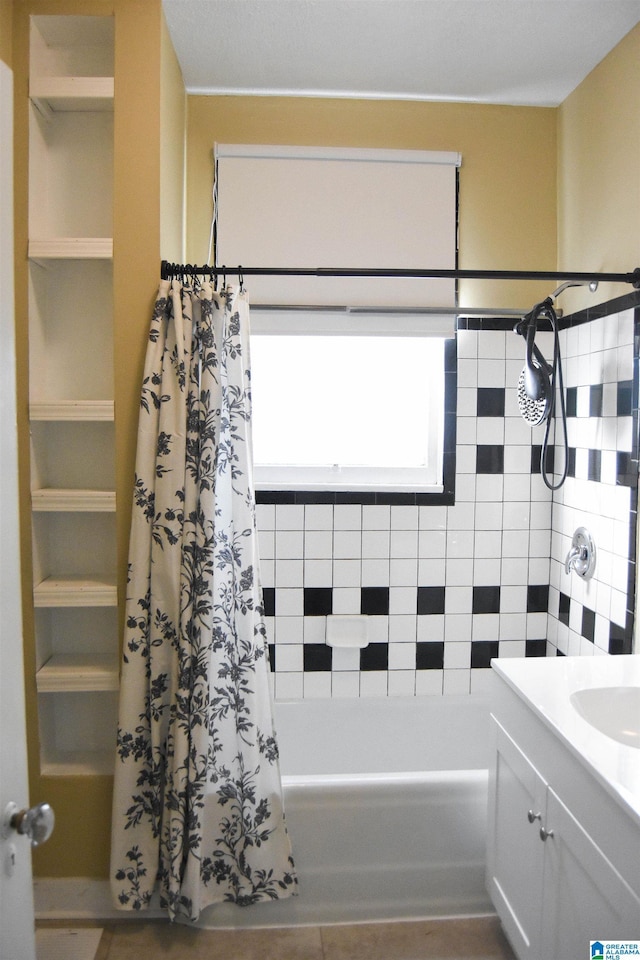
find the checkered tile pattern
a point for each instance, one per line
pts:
(601, 491)
(449, 585)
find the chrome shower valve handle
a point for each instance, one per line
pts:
(576, 558)
(582, 555)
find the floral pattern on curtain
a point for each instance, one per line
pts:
(197, 807)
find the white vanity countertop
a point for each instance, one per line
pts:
(546, 685)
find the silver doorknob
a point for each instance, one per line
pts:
(545, 834)
(36, 823)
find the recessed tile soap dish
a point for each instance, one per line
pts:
(347, 631)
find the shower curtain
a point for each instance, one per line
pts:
(197, 809)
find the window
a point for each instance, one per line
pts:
(348, 374)
(350, 411)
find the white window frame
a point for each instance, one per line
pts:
(344, 322)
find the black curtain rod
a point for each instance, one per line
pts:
(169, 270)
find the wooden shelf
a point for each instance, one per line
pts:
(74, 672)
(75, 592)
(70, 248)
(80, 763)
(57, 94)
(73, 501)
(77, 410)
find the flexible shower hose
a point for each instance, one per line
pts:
(556, 372)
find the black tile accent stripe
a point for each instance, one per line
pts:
(486, 600)
(491, 402)
(269, 601)
(537, 598)
(595, 399)
(610, 307)
(482, 652)
(535, 648)
(490, 458)
(626, 470)
(317, 657)
(563, 613)
(619, 639)
(624, 398)
(588, 624)
(536, 457)
(430, 655)
(318, 601)
(375, 657)
(485, 323)
(374, 601)
(430, 600)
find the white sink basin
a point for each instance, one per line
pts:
(614, 711)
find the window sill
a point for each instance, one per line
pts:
(373, 488)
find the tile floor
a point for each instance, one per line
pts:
(468, 939)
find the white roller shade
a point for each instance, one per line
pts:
(366, 209)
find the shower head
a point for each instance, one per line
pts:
(534, 412)
(593, 286)
(535, 391)
(540, 383)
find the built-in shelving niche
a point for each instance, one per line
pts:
(71, 390)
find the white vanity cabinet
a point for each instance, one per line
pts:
(563, 857)
(551, 884)
(71, 392)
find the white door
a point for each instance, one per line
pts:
(17, 938)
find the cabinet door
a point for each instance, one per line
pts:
(584, 897)
(515, 852)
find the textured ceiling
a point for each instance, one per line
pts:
(532, 52)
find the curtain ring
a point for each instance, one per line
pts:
(240, 279)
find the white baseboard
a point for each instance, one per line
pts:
(81, 898)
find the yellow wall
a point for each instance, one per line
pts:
(6, 32)
(173, 119)
(598, 172)
(507, 178)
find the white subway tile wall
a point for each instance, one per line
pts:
(448, 586)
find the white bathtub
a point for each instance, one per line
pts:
(386, 804)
